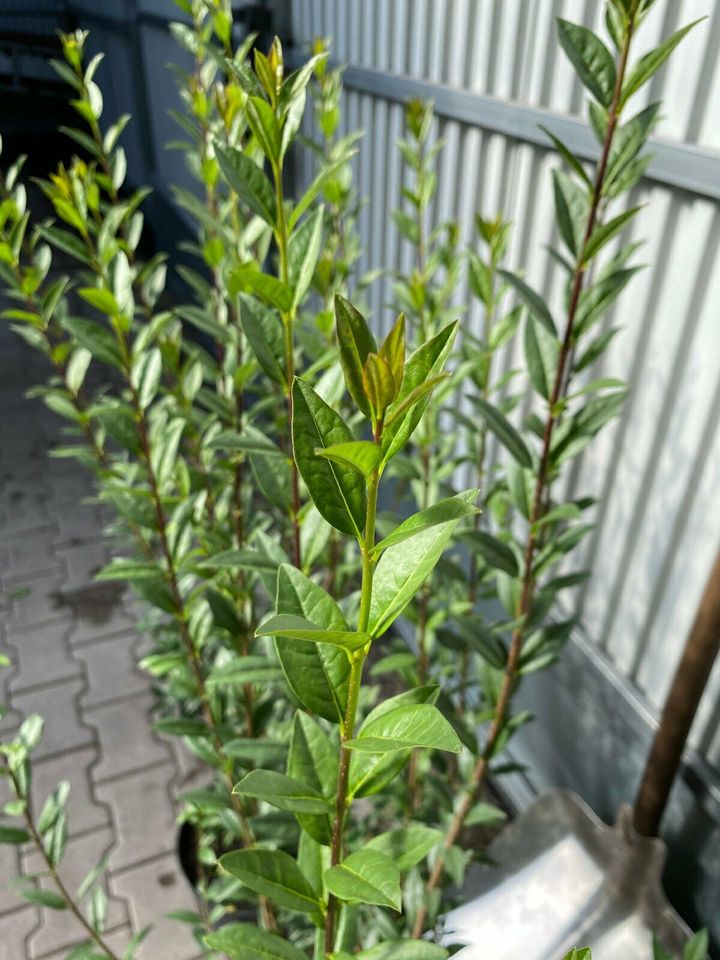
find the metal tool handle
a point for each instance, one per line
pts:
(680, 708)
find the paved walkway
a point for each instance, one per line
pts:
(74, 647)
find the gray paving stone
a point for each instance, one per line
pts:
(78, 522)
(85, 811)
(41, 654)
(111, 670)
(100, 612)
(58, 704)
(9, 868)
(81, 563)
(14, 930)
(29, 556)
(35, 602)
(127, 741)
(116, 939)
(153, 890)
(60, 928)
(142, 813)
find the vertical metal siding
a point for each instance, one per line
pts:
(657, 470)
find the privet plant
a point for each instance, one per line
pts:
(241, 436)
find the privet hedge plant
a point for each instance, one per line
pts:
(285, 487)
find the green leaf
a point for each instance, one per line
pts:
(248, 181)
(651, 62)
(505, 432)
(146, 376)
(605, 233)
(336, 490)
(407, 846)
(697, 946)
(15, 835)
(592, 60)
(370, 772)
(317, 673)
(532, 301)
(402, 570)
(416, 725)
(571, 207)
(313, 760)
(452, 508)
(288, 625)
(568, 156)
(303, 251)
(486, 815)
(264, 285)
(242, 670)
(264, 334)
(244, 941)
(366, 877)
(628, 140)
(363, 456)
(97, 339)
(355, 343)
(326, 173)
(426, 363)
(46, 898)
(493, 551)
(541, 353)
(273, 874)
(282, 792)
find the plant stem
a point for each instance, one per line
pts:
(57, 880)
(288, 321)
(524, 605)
(347, 727)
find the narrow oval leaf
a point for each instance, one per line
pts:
(273, 874)
(592, 60)
(505, 432)
(303, 251)
(248, 181)
(282, 792)
(244, 941)
(452, 508)
(355, 343)
(407, 846)
(366, 877)
(402, 570)
(532, 301)
(337, 491)
(288, 625)
(541, 352)
(242, 670)
(416, 725)
(493, 551)
(651, 62)
(317, 673)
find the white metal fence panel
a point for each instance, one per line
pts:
(495, 71)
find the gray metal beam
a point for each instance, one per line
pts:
(673, 164)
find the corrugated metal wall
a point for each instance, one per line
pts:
(495, 72)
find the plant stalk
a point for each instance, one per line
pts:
(524, 605)
(347, 728)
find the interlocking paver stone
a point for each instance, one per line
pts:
(111, 670)
(152, 890)
(58, 704)
(127, 739)
(14, 929)
(142, 813)
(41, 654)
(35, 602)
(85, 811)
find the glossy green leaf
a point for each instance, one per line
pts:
(366, 876)
(452, 508)
(407, 846)
(568, 156)
(100, 341)
(46, 898)
(273, 874)
(571, 208)
(592, 60)
(505, 432)
(248, 181)
(264, 285)
(288, 625)
(605, 233)
(146, 376)
(355, 343)
(282, 792)
(426, 363)
(415, 725)
(244, 941)
(242, 670)
(264, 125)
(646, 66)
(313, 760)
(264, 332)
(403, 950)
(364, 456)
(14, 835)
(327, 172)
(628, 140)
(317, 673)
(337, 491)
(402, 570)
